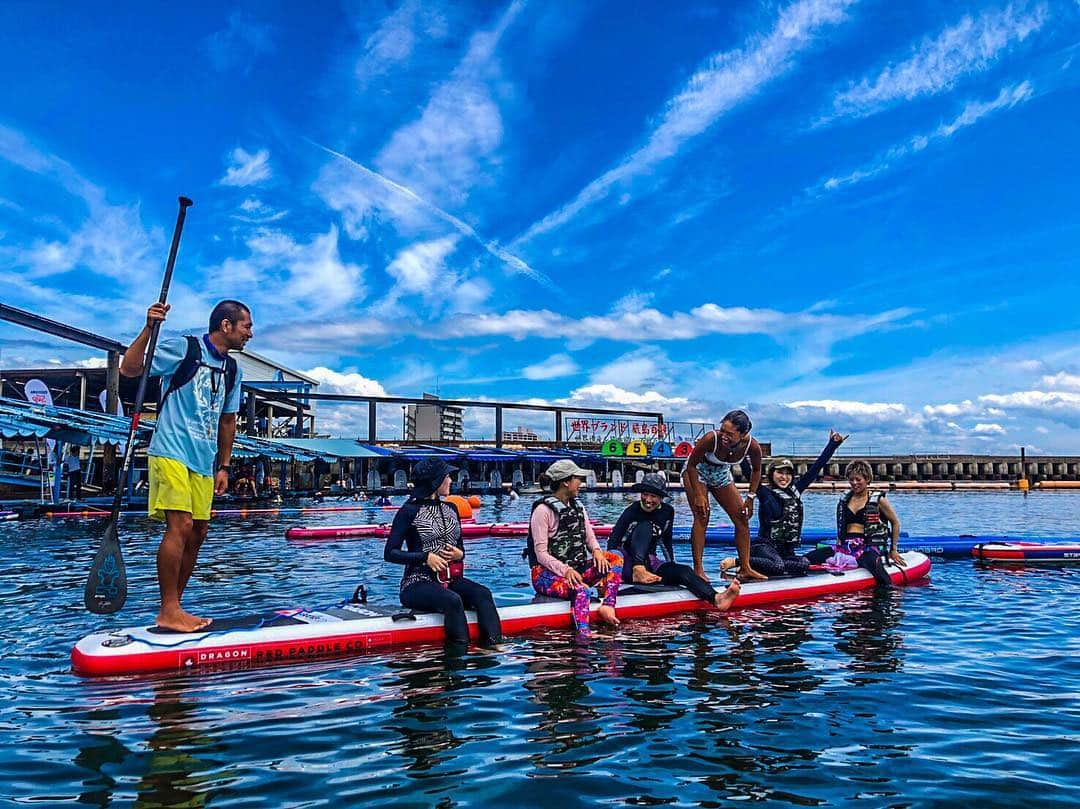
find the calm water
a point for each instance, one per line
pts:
(964, 689)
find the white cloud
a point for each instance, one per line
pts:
(1062, 380)
(557, 365)
(837, 407)
(601, 395)
(965, 407)
(361, 193)
(354, 384)
(722, 82)
(988, 429)
(419, 268)
(396, 38)
(1045, 401)
(970, 46)
(973, 111)
(255, 211)
(247, 168)
(240, 44)
(452, 145)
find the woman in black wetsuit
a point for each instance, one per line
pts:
(642, 529)
(433, 580)
(775, 551)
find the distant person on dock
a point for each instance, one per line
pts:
(775, 552)
(867, 532)
(708, 470)
(190, 452)
(643, 529)
(434, 555)
(73, 467)
(563, 551)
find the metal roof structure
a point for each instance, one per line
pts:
(20, 419)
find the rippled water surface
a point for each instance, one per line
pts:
(962, 690)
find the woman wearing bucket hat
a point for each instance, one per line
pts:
(644, 526)
(563, 551)
(708, 471)
(433, 580)
(775, 552)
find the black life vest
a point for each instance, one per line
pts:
(876, 529)
(567, 544)
(786, 530)
(189, 366)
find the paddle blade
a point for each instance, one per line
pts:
(106, 588)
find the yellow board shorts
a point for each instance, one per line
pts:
(174, 487)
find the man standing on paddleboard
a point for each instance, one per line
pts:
(192, 445)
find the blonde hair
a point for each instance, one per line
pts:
(860, 468)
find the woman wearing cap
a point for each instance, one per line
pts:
(708, 470)
(867, 532)
(645, 525)
(430, 530)
(563, 551)
(775, 552)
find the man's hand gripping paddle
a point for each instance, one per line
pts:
(106, 587)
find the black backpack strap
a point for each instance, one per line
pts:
(230, 375)
(186, 370)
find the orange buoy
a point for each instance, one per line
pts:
(474, 500)
(464, 510)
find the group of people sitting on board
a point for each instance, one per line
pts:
(190, 462)
(566, 559)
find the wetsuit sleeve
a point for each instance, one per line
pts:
(665, 534)
(768, 510)
(168, 355)
(812, 473)
(542, 523)
(399, 532)
(618, 532)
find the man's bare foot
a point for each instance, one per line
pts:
(181, 621)
(701, 574)
(749, 573)
(727, 563)
(607, 615)
(725, 599)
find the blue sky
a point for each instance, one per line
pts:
(833, 213)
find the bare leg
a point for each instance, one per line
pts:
(170, 561)
(191, 551)
(730, 500)
(697, 533)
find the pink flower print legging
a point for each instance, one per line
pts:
(547, 583)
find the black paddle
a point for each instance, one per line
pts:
(106, 587)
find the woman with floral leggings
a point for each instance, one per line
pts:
(563, 551)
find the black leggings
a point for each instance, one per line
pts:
(672, 573)
(870, 559)
(638, 547)
(766, 558)
(452, 601)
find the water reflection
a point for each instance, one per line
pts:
(432, 686)
(866, 630)
(178, 761)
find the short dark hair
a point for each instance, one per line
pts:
(227, 310)
(739, 420)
